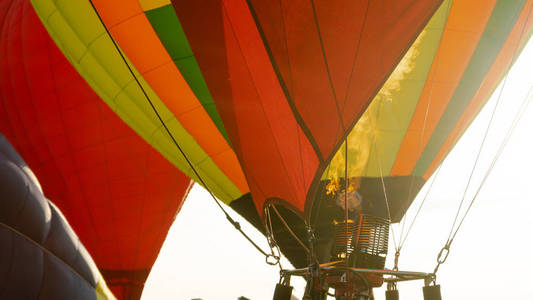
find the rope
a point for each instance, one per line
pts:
(202, 182)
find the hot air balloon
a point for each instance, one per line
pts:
(318, 121)
(321, 65)
(117, 192)
(41, 256)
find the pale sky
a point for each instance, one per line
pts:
(205, 257)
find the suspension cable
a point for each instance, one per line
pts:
(396, 247)
(476, 161)
(290, 230)
(445, 250)
(402, 242)
(272, 240)
(383, 186)
(430, 97)
(235, 224)
(508, 135)
(491, 120)
(385, 195)
(346, 186)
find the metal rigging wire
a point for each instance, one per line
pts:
(386, 197)
(508, 135)
(383, 186)
(174, 141)
(272, 241)
(402, 242)
(419, 150)
(444, 252)
(289, 229)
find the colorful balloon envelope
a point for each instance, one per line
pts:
(40, 255)
(278, 102)
(117, 192)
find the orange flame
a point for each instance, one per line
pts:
(332, 187)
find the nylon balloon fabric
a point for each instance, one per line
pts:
(40, 256)
(119, 194)
(275, 102)
(292, 96)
